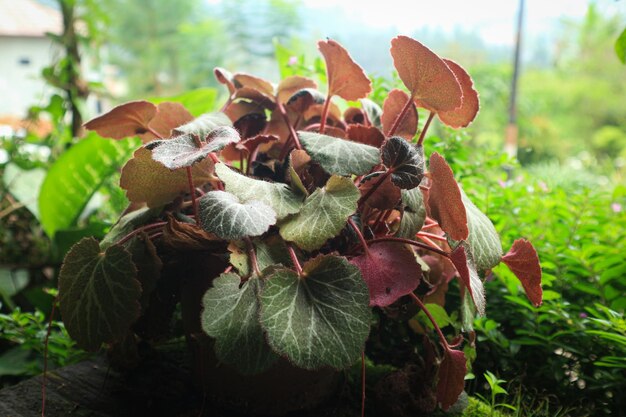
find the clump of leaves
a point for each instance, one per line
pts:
(309, 218)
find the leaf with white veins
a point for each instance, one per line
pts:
(231, 315)
(222, 214)
(324, 214)
(276, 195)
(202, 125)
(339, 156)
(319, 319)
(405, 161)
(414, 213)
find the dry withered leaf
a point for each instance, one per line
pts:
(188, 237)
(368, 135)
(123, 121)
(146, 180)
(425, 74)
(464, 115)
(346, 78)
(392, 107)
(291, 85)
(169, 116)
(444, 199)
(523, 261)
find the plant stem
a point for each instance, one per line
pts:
(398, 121)
(356, 229)
(285, 150)
(192, 192)
(363, 384)
(410, 242)
(294, 259)
(371, 191)
(427, 240)
(252, 256)
(325, 110)
(225, 106)
(432, 236)
(283, 113)
(420, 141)
(421, 305)
(44, 379)
(139, 230)
(154, 132)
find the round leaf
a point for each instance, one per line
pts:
(392, 107)
(405, 161)
(464, 115)
(346, 78)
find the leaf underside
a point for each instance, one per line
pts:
(451, 378)
(523, 261)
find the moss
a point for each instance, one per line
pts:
(477, 408)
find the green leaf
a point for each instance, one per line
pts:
(74, 178)
(199, 101)
(231, 316)
(339, 156)
(319, 319)
(483, 240)
(276, 195)
(439, 314)
(222, 214)
(414, 213)
(620, 47)
(405, 161)
(204, 124)
(24, 185)
(269, 251)
(183, 151)
(98, 293)
(324, 214)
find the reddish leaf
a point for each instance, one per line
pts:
(225, 77)
(239, 109)
(232, 151)
(444, 199)
(368, 135)
(314, 112)
(465, 114)
(385, 197)
(346, 78)
(242, 80)
(425, 74)
(469, 276)
(291, 85)
(335, 132)
(392, 107)
(169, 116)
(354, 115)
(523, 261)
(304, 98)
(390, 271)
(451, 378)
(146, 180)
(256, 97)
(125, 120)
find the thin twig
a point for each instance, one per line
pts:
(294, 259)
(396, 123)
(421, 305)
(420, 141)
(192, 192)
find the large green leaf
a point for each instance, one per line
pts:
(98, 293)
(222, 214)
(339, 156)
(231, 316)
(320, 318)
(76, 176)
(324, 214)
(24, 185)
(620, 47)
(199, 101)
(276, 195)
(414, 213)
(483, 241)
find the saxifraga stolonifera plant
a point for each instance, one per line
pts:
(307, 221)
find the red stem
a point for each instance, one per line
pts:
(252, 255)
(423, 133)
(410, 242)
(192, 192)
(363, 384)
(154, 132)
(356, 229)
(285, 150)
(396, 123)
(430, 226)
(421, 305)
(325, 114)
(283, 113)
(432, 236)
(44, 379)
(294, 259)
(139, 230)
(225, 106)
(427, 240)
(371, 191)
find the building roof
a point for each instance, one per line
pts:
(28, 18)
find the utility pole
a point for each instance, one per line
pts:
(510, 141)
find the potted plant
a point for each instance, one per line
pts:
(284, 227)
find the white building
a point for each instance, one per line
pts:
(24, 52)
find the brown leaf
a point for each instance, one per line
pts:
(146, 180)
(239, 109)
(247, 146)
(126, 120)
(451, 378)
(368, 135)
(385, 197)
(425, 74)
(255, 96)
(169, 116)
(314, 113)
(242, 80)
(392, 107)
(248, 118)
(354, 115)
(465, 114)
(390, 271)
(346, 78)
(303, 99)
(444, 199)
(188, 237)
(335, 132)
(523, 261)
(291, 85)
(225, 77)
